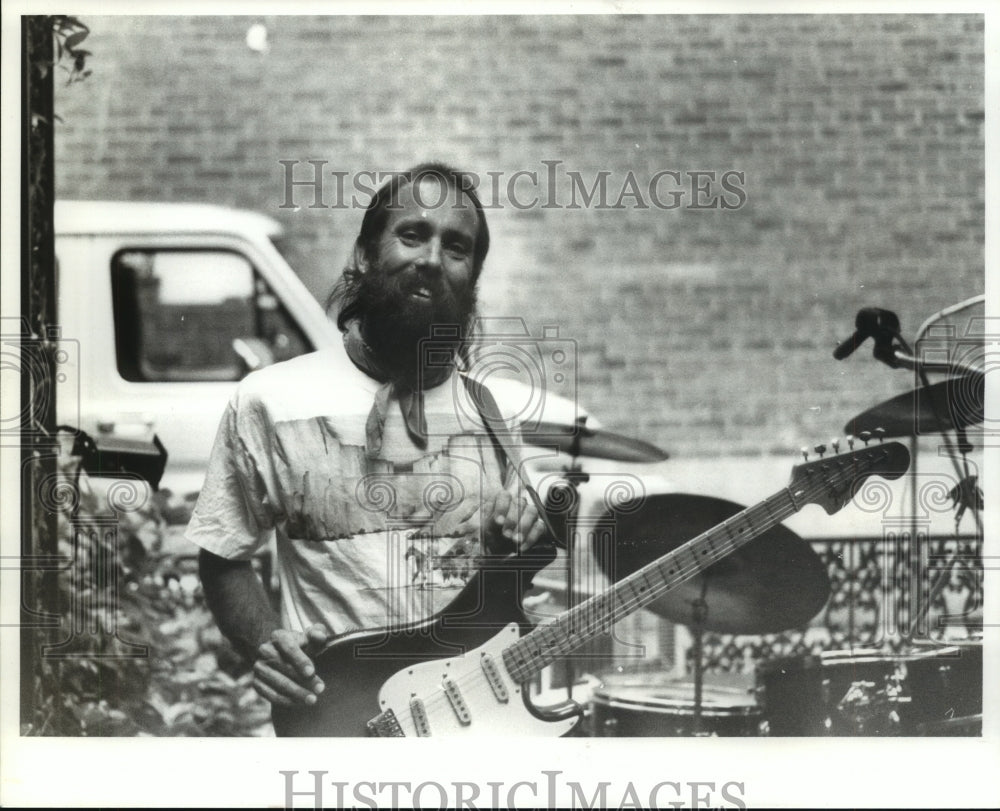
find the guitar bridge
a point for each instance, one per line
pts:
(385, 725)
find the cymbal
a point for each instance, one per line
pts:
(772, 583)
(953, 403)
(579, 440)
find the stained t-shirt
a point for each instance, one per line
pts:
(361, 542)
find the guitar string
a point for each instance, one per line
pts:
(633, 601)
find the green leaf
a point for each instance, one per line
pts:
(75, 39)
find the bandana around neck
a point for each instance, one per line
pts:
(410, 399)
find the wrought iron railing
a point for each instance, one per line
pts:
(878, 590)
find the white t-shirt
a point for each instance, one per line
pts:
(361, 543)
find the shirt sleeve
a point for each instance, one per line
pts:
(235, 513)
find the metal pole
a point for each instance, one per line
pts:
(699, 611)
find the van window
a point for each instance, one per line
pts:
(196, 315)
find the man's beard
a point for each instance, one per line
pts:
(393, 323)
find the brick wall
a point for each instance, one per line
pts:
(706, 331)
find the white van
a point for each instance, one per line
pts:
(166, 306)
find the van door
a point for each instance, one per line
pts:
(190, 316)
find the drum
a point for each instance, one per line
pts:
(667, 710)
(871, 693)
(946, 690)
(804, 695)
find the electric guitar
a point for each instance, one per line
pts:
(465, 670)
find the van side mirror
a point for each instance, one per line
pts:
(254, 353)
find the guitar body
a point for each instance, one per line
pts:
(378, 673)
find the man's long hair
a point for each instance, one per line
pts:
(346, 296)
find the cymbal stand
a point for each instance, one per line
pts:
(566, 491)
(891, 349)
(699, 612)
(900, 355)
(963, 500)
(966, 494)
(964, 448)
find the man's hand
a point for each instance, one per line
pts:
(516, 517)
(508, 522)
(284, 673)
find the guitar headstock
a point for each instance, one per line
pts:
(832, 481)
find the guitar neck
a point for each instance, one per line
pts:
(596, 615)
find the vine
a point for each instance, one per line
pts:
(69, 33)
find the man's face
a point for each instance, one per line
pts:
(422, 274)
(426, 249)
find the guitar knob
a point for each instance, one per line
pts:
(820, 449)
(850, 441)
(835, 444)
(865, 437)
(805, 453)
(880, 433)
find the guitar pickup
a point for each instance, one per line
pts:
(418, 712)
(458, 705)
(492, 673)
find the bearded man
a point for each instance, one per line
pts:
(363, 460)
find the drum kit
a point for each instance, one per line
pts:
(778, 582)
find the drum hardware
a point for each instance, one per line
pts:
(946, 683)
(863, 705)
(579, 440)
(699, 611)
(890, 346)
(664, 708)
(566, 492)
(927, 691)
(951, 404)
(966, 495)
(828, 694)
(969, 725)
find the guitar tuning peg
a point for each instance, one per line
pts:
(865, 437)
(820, 449)
(835, 444)
(850, 441)
(805, 453)
(880, 433)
